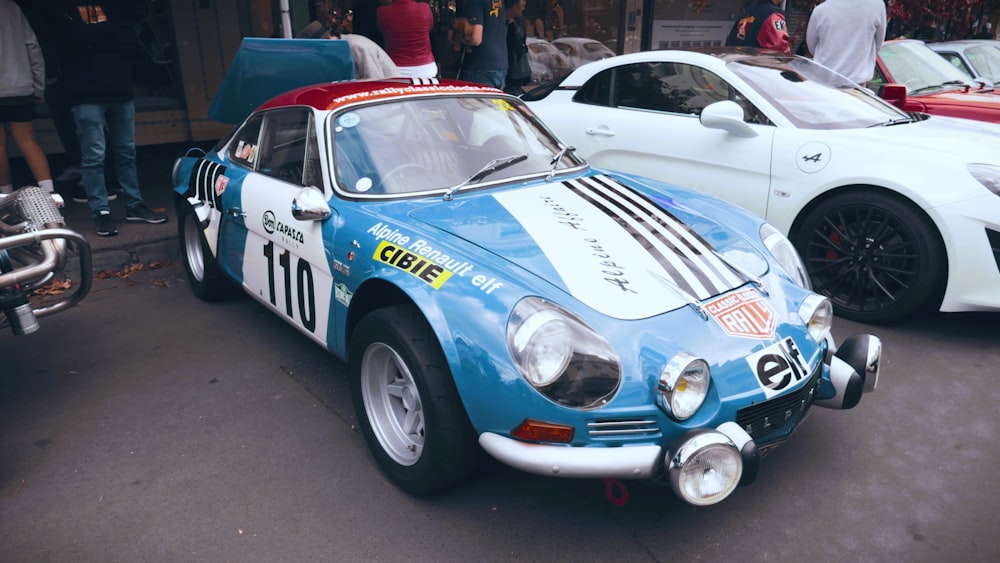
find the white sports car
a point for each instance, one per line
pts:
(892, 212)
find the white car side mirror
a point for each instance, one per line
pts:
(728, 116)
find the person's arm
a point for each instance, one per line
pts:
(35, 59)
(880, 32)
(774, 33)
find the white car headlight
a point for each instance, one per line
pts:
(987, 175)
(560, 356)
(786, 255)
(817, 312)
(683, 385)
(705, 469)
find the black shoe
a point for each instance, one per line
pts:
(143, 214)
(105, 224)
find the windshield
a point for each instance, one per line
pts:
(920, 69)
(418, 145)
(985, 59)
(812, 96)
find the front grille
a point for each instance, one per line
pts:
(773, 421)
(994, 238)
(623, 429)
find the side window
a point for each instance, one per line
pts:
(246, 143)
(313, 175)
(283, 144)
(597, 90)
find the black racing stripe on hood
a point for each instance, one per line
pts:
(694, 266)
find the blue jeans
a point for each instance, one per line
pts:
(492, 78)
(120, 120)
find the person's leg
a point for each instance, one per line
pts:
(23, 133)
(121, 131)
(121, 147)
(90, 127)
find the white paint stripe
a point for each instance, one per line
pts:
(598, 261)
(727, 276)
(670, 254)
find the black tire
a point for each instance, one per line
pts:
(203, 272)
(874, 254)
(407, 404)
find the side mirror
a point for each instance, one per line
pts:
(895, 94)
(310, 205)
(728, 116)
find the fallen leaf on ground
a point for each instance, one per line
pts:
(54, 287)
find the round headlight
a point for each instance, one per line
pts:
(786, 255)
(543, 345)
(562, 357)
(705, 469)
(684, 385)
(817, 312)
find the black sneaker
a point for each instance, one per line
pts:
(143, 214)
(105, 224)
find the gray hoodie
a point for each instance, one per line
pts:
(22, 68)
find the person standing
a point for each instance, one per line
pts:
(22, 85)
(762, 25)
(406, 26)
(484, 34)
(96, 54)
(845, 35)
(518, 67)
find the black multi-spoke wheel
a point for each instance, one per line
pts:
(876, 256)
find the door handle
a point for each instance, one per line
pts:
(602, 130)
(236, 212)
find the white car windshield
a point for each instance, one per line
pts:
(812, 96)
(985, 60)
(428, 144)
(921, 70)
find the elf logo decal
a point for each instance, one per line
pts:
(744, 313)
(429, 272)
(272, 225)
(779, 367)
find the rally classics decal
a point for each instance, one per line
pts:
(779, 367)
(743, 313)
(618, 251)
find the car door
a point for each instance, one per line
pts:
(643, 118)
(284, 259)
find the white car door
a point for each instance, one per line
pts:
(643, 118)
(284, 259)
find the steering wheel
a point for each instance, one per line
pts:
(393, 185)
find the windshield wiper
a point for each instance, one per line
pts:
(891, 122)
(555, 160)
(492, 166)
(939, 86)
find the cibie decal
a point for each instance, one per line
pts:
(743, 313)
(427, 271)
(779, 367)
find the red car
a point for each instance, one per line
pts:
(914, 78)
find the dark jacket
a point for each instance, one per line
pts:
(95, 43)
(517, 51)
(761, 25)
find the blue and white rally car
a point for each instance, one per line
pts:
(490, 291)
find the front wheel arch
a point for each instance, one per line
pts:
(928, 285)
